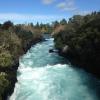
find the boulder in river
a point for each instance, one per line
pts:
(53, 50)
(65, 48)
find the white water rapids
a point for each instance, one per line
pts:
(45, 76)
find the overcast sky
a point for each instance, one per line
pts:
(24, 11)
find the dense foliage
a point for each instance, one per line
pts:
(79, 40)
(14, 41)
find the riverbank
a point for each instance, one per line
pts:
(79, 41)
(46, 76)
(11, 76)
(14, 42)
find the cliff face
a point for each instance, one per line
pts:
(14, 42)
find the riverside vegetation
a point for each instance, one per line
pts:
(79, 41)
(15, 40)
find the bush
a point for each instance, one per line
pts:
(82, 35)
(14, 41)
(5, 59)
(4, 83)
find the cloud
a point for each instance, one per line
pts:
(25, 16)
(67, 5)
(82, 12)
(47, 2)
(17, 18)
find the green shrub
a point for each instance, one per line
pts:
(5, 59)
(4, 83)
(82, 35)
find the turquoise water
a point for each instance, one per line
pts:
(45, 76)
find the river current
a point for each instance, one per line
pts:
(46, 76)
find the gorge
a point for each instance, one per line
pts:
(46, 76)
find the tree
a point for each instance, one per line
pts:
(76, 21)
(63, 22)
(37, 25)
(82, 35)
(7, 25)
(5, 59)
(55, 24)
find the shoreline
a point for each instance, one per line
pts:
(85, 66)
(12, 72)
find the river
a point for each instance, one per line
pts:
(46, 76)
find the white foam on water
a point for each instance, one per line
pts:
(41, 77)
(58, 82)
